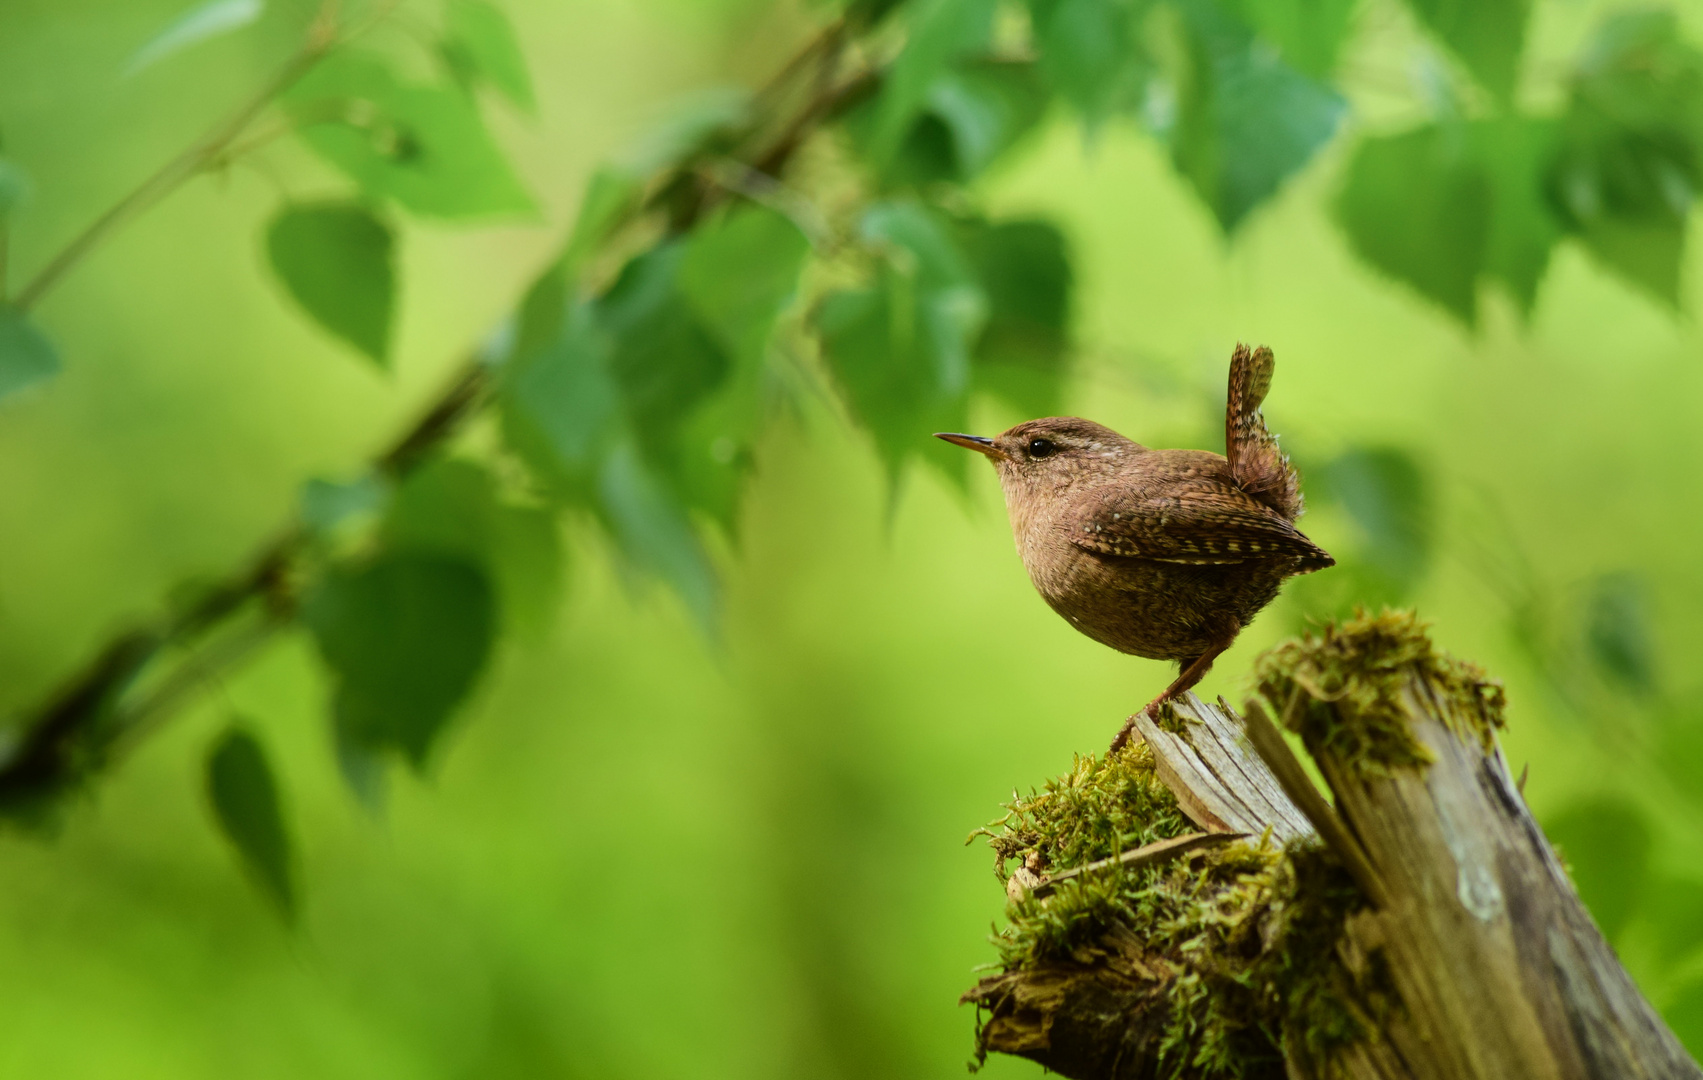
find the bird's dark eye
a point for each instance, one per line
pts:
(1042, 448)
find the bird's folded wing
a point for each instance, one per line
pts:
(1210, 523)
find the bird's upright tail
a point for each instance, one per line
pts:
(1258, 465)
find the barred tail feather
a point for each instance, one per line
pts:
(1261, 469)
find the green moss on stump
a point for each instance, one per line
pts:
(1234, 947)
(1351, 680)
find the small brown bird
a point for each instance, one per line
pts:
(1165, 554)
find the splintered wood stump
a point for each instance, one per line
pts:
(1465, 953)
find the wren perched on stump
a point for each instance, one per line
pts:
(1165, 554)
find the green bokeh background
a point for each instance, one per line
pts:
(645, 854)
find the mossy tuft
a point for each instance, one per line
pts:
(1351, 679)
(1235, 946)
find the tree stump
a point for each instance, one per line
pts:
(1195, 907)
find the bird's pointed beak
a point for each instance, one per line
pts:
(978, 443)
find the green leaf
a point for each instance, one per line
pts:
(424, 146)
(950, 306)
(941, 31)
(1246, 120)
(1516, 153)
(337, 261)
(198, 24)
(481, 36)
(1444, 205)
(1308, 33)
(1418, 207)
(406, 635)
(1091, 52)
(1631, 160)
(986, 106)
(1384, 491)
(1024, 269)
(1617, 631)
(740, 272)
(26, 356)
(901, 348)
(245, 801)
(561, 410)
(1486, 34)
(652, 530)
(451, 507)
(1607, 843)
(664, 361)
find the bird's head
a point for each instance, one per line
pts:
(1047, 455)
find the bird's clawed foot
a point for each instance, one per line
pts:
(1193, 671)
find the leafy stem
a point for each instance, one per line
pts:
(146, 674)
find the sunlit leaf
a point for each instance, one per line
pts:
(424, 146)
(1607, 844)
(1617, 630)
(652, 531)
(337, 261)
(1024, 269)
(1246, 120)
(406, 636)
(941, 31)
(245, 801)
(194, 26)
(1632, 149)
(27, 357)
(1091, 52)
(481, 35)
(1486, 34)
(1308, 33)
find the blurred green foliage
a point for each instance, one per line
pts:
(901, 229)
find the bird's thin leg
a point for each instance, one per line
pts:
(1193, 671)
